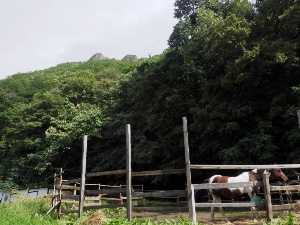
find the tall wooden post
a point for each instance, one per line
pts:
(190, 189)
(268, 202)
(298, 115)
(83, 172)
(59, 182)
(128, 173)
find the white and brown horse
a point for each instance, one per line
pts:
(242, 192)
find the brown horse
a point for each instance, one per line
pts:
(242, 192)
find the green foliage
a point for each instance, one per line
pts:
(27, 212)
(45, 114)
(290, 220)
(71, 124)
(114, 211)
(122, 220)
(232, 68)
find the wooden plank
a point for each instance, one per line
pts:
(58, 208)
(93, 198)
(71, 197)
(83, 172)
(69, 187)
(71, 181)
(106, 191)
(112, 199)
(225, 167)
(70, 202)
(160, 194)
(53, 207)
(128, 173)
(190, 193)
(134, 174)
(158, 172)
(231, 204)
(298, 115)
(285, 188)
(106, 173)
(104, 206)
(91, 204)
(268, 200)
(283, 207)
(160, 209)
(226, 185)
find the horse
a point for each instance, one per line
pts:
(241, 192)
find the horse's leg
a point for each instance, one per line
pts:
(212, 211)
(254, 214)
(217, 199)
(223, 214)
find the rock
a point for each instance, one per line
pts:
(130, 58)
(97, 56)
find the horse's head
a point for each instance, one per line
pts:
(278, 175)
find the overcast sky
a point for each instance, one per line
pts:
(38, 34)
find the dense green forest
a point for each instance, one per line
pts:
(232, 68)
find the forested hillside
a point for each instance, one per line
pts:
(231, 67)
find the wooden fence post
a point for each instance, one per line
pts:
(298, 115)
(128, 172)
(190, 192)
(83, 172)
(59, 194)
(268, 202)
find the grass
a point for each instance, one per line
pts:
(34, 212)
(26, 212)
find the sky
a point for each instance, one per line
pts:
(38, 34)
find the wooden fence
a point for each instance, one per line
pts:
(82, 199)
(127, 190)
(67, 192)
(267, 187)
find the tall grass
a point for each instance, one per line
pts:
(27, 212)
(34, 212)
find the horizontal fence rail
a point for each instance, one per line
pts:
(159, 194)
(231, 204)
(225, 167)
(227, 185)
(157, 172)
(160, 209)
(285, 188)
(87, 207)
(105, 191)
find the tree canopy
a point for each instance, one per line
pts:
(232, 68)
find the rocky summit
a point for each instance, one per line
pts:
(97, 56)
(131, 58)
(128, 57)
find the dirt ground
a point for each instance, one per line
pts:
(238, 218)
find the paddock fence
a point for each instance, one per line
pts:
(268, 189)
(75, 191)
(68, 192)
(81, 196)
